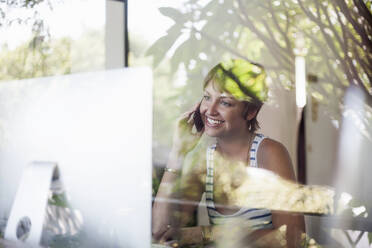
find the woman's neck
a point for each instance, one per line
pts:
(236, 148)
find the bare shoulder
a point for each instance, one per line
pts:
(273, 155)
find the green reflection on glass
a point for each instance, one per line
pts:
(242, 79)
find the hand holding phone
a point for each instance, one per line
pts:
(185, 138)
(198, 122)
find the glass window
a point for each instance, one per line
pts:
(44, 38)
(313, 52)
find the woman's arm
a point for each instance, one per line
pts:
(273, 156)
(168, 201)
(162, 217)
(175, 221)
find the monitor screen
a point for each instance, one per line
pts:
(96, 127)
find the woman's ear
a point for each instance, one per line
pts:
(251, 114)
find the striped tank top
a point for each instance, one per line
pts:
(254, 218)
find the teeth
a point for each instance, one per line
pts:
(214, 121)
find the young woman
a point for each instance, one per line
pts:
(234, 92)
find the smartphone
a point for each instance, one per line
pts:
(198, 122)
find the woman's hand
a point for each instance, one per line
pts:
(185, 137)
(176, 237)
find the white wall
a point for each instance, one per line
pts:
(279, 119)
(321, 145)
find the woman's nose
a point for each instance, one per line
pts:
(212, 108)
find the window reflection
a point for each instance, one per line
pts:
(336, 36)
(50, 37)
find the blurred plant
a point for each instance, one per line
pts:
(39, 56)
(30, 18)
(43, 59)
(6, 5)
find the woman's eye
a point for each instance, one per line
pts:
(227, 104)
(205, 97)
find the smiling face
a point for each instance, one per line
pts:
(222, 114)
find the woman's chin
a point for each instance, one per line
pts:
(212, 132)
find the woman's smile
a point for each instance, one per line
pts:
(213, 123)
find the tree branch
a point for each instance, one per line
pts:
(349, 62)
(364, 10)
(287, 22)
(325, 11)
(343, 27)
(352, 67)
(223, 46)
(308, 13)
(324, 54)
(285, 35)
(365, 67)
(344, 8)
(351, 36)
(248, 23)
(282, 51)
(349, 74)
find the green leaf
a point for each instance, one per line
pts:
(163, 44)
(157, 50)
(368, 4)
(211, 7)
(370, 238)
(172, 13)
(184, 52)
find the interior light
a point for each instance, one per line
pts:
(300, 81)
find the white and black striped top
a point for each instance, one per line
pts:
(256, 218)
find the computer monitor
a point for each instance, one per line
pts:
(96, 127)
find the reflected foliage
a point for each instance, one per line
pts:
(30, 17)
(251, 187)
(7, 19)
(242, 186)
(263, 189)
(42, 59)
(335, 36)
(39, 56)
